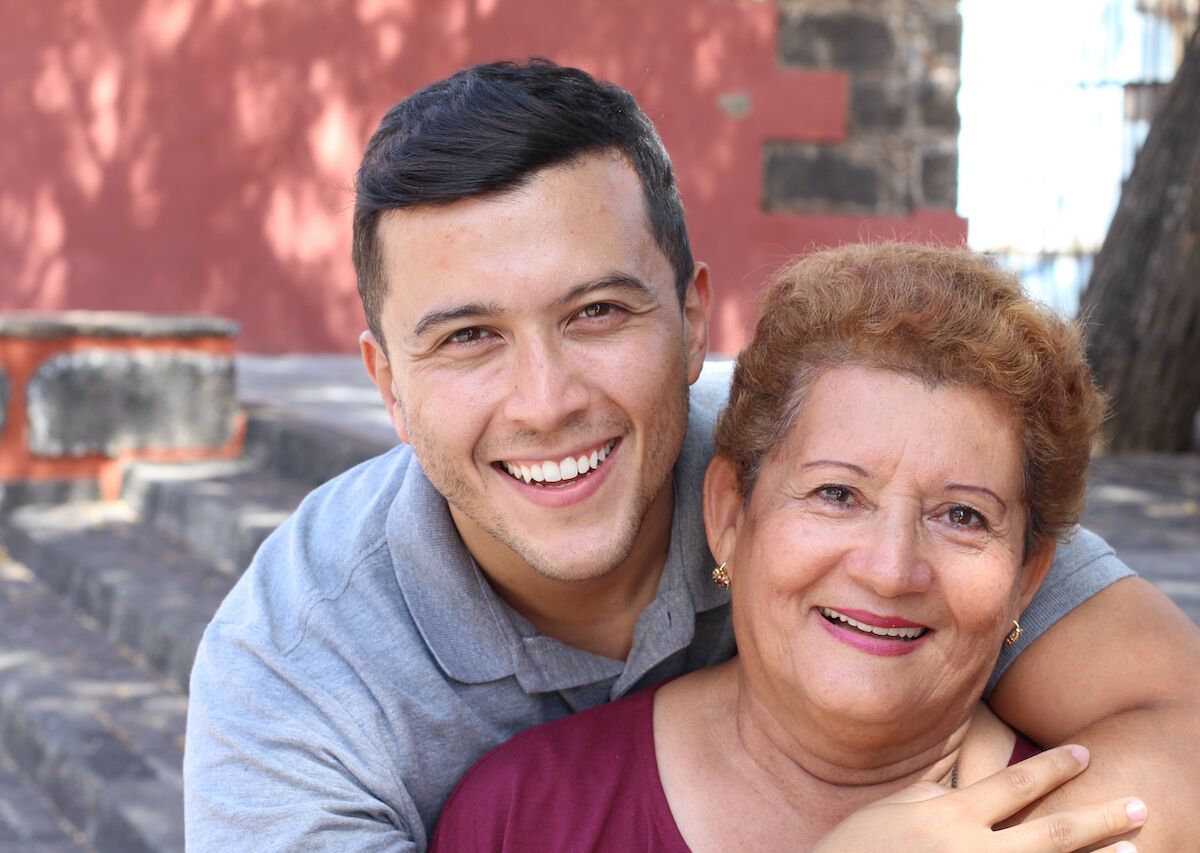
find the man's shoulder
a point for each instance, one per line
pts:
(339, 530)
(710, 391)
(706, 398)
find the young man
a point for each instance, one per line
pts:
(535, 547)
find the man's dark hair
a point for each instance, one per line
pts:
(486, 130)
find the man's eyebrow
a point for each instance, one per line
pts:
(615, 280)
(442, 316)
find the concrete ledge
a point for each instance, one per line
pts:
(5, 393)
(82, 393)
(113, 324)
(109, 401)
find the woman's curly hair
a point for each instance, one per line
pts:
(946, 316)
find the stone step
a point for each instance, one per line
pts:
(98, 734)
(28, 822)
(222, 511)
(307, 451)
(146, 591)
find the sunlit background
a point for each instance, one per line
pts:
(1055, 102)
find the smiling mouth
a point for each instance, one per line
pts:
(903, 634)
(569, 469)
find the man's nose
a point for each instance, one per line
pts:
(548, 387)
(893, 561)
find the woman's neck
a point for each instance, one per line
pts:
(790, 778)
(810, 745)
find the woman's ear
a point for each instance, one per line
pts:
(1034, 571)
(722, 507)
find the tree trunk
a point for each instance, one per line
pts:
(1142, 304)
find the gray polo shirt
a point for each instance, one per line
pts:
(363, 663)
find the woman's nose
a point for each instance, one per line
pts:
(893, 562)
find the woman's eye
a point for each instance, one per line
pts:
(470, 335)
(966, 517)
(836, 494)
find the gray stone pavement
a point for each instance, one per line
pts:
(26, 823)
(1147, 506)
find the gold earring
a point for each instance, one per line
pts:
(720, 576)
(1014, 634)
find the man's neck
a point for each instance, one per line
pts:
(597, 615)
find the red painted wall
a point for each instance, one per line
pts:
(198, 155)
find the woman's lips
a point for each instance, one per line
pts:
(874, 639)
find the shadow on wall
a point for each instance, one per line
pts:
(198, 155)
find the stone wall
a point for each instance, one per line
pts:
(900, 151)
(212, 171)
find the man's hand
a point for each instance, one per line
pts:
(1121, 675)
(928, 818)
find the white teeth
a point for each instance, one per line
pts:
(902, 633)
(567, 468)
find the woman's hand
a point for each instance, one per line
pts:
(927, 817)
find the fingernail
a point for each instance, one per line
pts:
(1081, 754)
(1137, 811)
(1125, 847)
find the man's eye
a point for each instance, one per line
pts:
(966, 517)
(596, 309)
(836, 494)
(471, 335)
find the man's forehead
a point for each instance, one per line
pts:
(568, 226)
(599, 178)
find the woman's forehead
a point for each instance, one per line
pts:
(882, 421)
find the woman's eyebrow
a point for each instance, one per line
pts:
(819, 463)
(981, 489)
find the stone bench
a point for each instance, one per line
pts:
(83, 393)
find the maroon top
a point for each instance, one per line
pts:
(586, 782)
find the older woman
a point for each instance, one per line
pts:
(906, 437)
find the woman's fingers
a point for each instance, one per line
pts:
(1119, 847)
(1007, 792)
(928, 817)
(1077, 828)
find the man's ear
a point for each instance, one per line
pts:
(722, 507)
(1034, 572)
(376, 362)
(697, 308)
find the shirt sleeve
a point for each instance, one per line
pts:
(273, 762)
(1083, 565)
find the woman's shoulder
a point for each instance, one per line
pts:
(559, 783)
